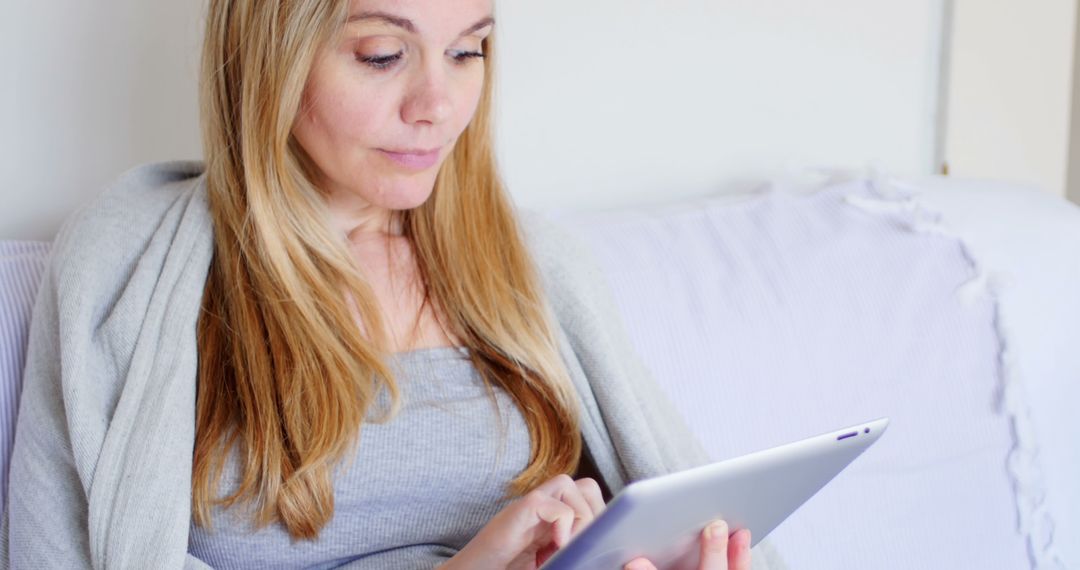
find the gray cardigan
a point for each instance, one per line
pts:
(101, 467)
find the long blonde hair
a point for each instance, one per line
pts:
(287, 376)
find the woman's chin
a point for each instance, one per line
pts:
(405, 198)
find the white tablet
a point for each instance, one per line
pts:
(662, 518)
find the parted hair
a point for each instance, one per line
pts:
(292, 347)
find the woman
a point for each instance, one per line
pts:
(295, 354)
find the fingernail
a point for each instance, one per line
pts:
(716, 530)
(635, 565)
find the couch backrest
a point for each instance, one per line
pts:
(21, 267)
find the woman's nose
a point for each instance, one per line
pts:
(429, 99)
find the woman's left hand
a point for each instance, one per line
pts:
(717, 551)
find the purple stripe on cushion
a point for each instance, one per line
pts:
(22, 264)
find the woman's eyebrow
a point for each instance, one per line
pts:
(407, 24)
(489, 21)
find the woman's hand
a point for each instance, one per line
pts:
(529, 530)
(717, 551)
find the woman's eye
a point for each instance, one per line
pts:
(463, 57)
(382, 62)
(379, 62)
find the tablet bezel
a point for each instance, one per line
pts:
(756, 491)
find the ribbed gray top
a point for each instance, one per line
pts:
(421, 487)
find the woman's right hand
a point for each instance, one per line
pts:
(529, 530)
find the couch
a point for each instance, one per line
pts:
(950, 306)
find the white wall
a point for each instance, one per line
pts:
(602, 102)
(90, 88)
(616, 101)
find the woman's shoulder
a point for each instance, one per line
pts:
(551, 242)
(572, 277)
(552, 247)
(99, 246)
(132, 205)
(112, 229)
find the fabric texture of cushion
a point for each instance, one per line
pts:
(21, 267)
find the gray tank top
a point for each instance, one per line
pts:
(422, 485)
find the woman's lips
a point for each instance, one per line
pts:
(413, 159)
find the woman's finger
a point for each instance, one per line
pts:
(563, 488)
(714, 546)
(639, 564)
(558, 514)
(552, 486)
(739, 551)
(717, 551)
(590, 489)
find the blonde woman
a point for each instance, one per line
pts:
(333, 344)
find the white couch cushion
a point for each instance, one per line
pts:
(21, 267)
(783, 316)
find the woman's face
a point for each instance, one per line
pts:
(386, 101)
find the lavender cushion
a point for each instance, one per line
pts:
(21, 267)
